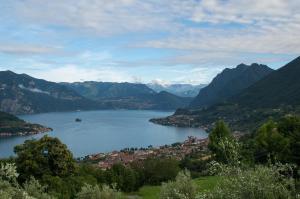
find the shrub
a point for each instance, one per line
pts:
(95, 192)
(258, 183)
(182, 188)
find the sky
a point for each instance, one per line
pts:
(166, 41)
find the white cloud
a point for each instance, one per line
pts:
(105, 17)
(73, 73)
(23, 49)
(206, 35)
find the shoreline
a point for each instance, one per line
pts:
(34, 131)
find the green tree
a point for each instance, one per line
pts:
(289, 127)
(125, 178)
(160, 170)
(46, 156)
(270, 143)
(219, 138)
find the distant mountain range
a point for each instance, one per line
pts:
(229, 83)
(23, 94)
(183, 90)
(271, 96)
(128, 95)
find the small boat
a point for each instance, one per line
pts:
(78, 120)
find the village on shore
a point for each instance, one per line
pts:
(126, 156)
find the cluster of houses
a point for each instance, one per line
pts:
(125, 157)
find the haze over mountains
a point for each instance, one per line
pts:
(128, 95)
(183, 90)
(271, 95)
(23, 94)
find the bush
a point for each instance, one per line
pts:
(258, 183)
(182, 188)
(9, 188)
(35, 189)
(95, 192)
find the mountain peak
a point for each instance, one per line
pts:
(228, 83)
(280, 87)
(242, 65)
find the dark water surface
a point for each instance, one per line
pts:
(103, 131)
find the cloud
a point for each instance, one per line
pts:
(99, 36)
(23, 49)
(73, 73)
(106, 17)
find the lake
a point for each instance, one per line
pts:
(103, 131)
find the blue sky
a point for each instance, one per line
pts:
(182, 41)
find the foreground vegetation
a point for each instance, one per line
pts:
(264, 164)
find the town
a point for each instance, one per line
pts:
(129, 155)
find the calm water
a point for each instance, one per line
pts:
(103, 131)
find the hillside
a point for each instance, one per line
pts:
(11, 125)
(128, 95)
(281, 87)
(274, 96)
(21, 94)
(229, 83)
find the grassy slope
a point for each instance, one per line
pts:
(203, 183)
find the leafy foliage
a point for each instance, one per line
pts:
(222, 143)
(47, 156)
(271, 143)
(279, 141)
(260, 182)
(95, 192)
(126, 179)
(9, 188)
(156, 171)
(182, 188)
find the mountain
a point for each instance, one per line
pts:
(183, 90)
(229, 83)
(281, 87)
(110, 90)
(22, 94)
(273, 96)
(11, 125)
(128, 95)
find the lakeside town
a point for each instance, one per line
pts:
(126, 156)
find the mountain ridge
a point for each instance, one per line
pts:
(273, 96)
(229, 83)
(128, 95)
